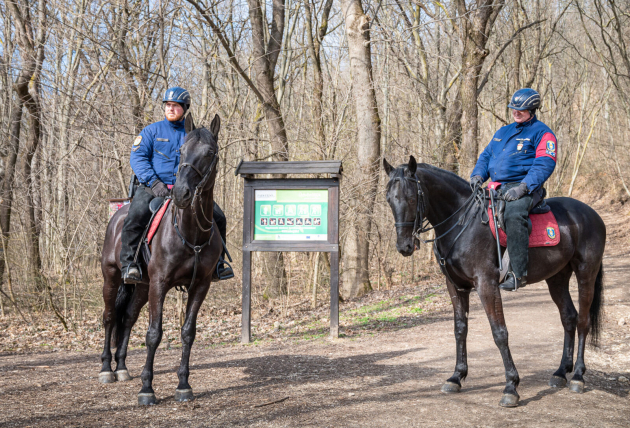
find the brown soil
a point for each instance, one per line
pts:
(389, 375)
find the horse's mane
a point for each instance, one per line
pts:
(449, 177)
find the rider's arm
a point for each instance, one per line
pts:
(481, 168)
(141, 157)
(544, 163)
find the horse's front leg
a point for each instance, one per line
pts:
(110, 288)
(196, 296)
(157, 293)
(491, 299)
(460, 301)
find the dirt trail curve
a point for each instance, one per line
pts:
(390, 379)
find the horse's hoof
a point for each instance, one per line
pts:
(146, 399)
(509, 400)
(557, 382)
(106, 377)
(122, 375)
(450, 388)
(577, 386)
(184, 395)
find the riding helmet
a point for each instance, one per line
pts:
(525, 99)
(177, 95)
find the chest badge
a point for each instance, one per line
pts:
(551, 232)
(137, 141)
(519, 146)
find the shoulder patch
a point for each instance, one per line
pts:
(551, 147)
(137, 141)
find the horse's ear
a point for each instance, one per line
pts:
(215, 126)
(412, 165)
(189, 124)
(387, 166)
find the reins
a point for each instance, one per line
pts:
(197, 196)
(476, 199)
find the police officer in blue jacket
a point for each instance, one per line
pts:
(155, 159)
(519, 159)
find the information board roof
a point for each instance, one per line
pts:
(298, 167)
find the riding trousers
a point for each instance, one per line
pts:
(515, 217)
(138, 218)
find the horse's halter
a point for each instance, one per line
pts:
(200, 187)
(418, 223)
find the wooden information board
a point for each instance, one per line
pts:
(290, 214)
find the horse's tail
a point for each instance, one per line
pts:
(123, 299)
(596, 307)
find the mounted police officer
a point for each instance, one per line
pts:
(519, 159)
(155, 159)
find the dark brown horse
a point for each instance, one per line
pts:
(467, 256)
(185, 250)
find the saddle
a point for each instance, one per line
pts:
(542, 224)
(158, 207)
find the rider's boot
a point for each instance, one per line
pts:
(223, 271)
(132, 275)
(512, 283)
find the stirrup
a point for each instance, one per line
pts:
(226, 272)
(132, 279)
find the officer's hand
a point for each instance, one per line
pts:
(516, 192)
(475, 182)
(159, 189)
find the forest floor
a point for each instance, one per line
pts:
(395, 351)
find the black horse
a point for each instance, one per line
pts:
(185, 250)
(469, 261)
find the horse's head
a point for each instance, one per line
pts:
(402, 196)
(199, 157)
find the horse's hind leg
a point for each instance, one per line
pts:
(189, 331)
(559, 291)
(460, 301)
(110, 290)
(132, 311)
(588, 279)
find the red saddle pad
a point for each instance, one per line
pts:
(545, 230)
(156, 221)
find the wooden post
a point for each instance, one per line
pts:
(246, 334)
(334, 294)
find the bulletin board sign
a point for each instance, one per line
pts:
(289, 215)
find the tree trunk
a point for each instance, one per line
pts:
(356, 280)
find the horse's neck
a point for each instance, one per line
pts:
(443, 197)
(187, 222)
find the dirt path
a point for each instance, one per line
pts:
(389, 379)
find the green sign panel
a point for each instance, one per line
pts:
(291, 215)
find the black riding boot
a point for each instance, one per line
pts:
(133, 228)
(516, 228)
(223, 269)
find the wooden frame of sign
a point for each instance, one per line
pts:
(255, 239)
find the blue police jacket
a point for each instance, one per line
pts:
(155, 152)
(523, 153)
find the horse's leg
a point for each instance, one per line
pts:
(139, 299)
(460, 301)
(154, 336)
(196, 297)
(491, 300)
(110, 289)
(586, 284)
(559, 291)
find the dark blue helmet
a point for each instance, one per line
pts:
(525, 99)
(177, 95)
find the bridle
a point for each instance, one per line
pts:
(420, 223)
(205, 177)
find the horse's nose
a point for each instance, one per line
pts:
(405, 249)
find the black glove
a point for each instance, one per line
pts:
(476, 181)
(515, 192)
(159, 189)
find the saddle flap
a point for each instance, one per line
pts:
(155, 204)
(157, 218)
